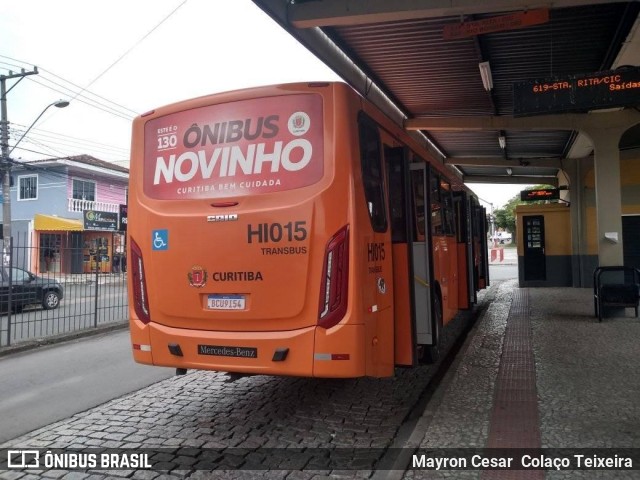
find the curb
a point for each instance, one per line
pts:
(61, 338)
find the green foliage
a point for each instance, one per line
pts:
(505, 217)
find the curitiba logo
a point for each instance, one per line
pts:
(197, 276)
(299, 123)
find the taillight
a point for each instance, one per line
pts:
(335, 280)
(139, 281)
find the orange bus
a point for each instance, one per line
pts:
(294, 230)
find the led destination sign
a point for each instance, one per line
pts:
(617, 88)
(540, 194)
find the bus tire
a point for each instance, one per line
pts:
(431, 353)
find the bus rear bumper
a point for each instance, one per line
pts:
(310, 352)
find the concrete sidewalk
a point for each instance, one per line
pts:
(585, 379)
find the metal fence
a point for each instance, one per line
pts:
(89, 273)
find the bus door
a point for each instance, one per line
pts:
(465, 253)
(397, 166)
(377, 289)
(421, 248)
(481, 230)
(475, 248)
(472, 253)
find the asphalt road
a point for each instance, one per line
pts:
(39, 387)
(76, 311)
(503, 272)
(42, 386)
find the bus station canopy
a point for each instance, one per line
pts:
(448, 71)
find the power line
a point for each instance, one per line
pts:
(77, 91)
(26, 164)
(31, 151)
(61, 148)
(134, 46)
(69, 140)
(87, 102)
(94, 94)
(72, 154)
(86, 99)
(81, 92)
(42, 145)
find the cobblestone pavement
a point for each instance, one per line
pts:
(587, 374)
(458, 417)
(183, 419)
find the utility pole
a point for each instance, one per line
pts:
(6, 161)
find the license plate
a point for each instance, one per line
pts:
(226, 302)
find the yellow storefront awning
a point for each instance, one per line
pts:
(49, 222)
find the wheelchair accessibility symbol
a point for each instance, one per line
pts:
(160, 240)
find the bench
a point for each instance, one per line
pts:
(624, 293)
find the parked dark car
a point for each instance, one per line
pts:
(29, 289)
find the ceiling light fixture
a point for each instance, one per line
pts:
(485, 74)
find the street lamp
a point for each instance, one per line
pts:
(58, 104)
(6, 181)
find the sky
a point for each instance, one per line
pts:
(115, 60)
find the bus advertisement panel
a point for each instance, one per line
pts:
(232, 150)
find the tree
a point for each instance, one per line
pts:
(505, 217)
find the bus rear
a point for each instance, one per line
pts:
(239, 235)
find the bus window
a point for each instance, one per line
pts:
(371, 163)
(461, 220)
(417, 179)
(448, 221)
(437, 227)
(395, 179)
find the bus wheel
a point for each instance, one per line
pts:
(431, 353)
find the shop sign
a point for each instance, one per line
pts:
(96, 220)
(123, 218)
